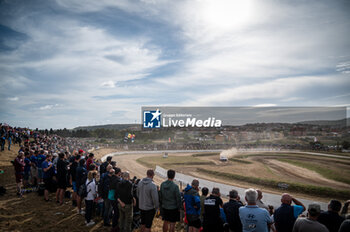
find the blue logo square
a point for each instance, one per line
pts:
(152, 119)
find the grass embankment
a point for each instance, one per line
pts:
(300, 155)
(292, 187)
(324, 171)
(152, 161)
(205, 154)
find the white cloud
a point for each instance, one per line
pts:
(108, 84)
(343, 67)
(48, 107)
(265, 105)
(12, 98)
(226, 52)
(273, 89)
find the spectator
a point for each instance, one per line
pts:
(89, 161)
(204, 195)
(252, 217)
(19, 171)
(170, 202)
(271, 212)
(126, 202)
(331, 218)
(344, 210)
(34, 168)
(48, 173)
(148, 200)
(41, 159)
(55, 159)
(211, 217)
(91, 195)
(73, 178)
(345, 226)
(259, 201)
(231, 210)
(26, 169)
(9, 139)
(103, 166)
(80, 179)
(193, 207)
(114, 181)
(286, 214)
(310, 224)
(2, 138)
(103, 189)
(61, 178)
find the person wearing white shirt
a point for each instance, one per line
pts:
(91, 195)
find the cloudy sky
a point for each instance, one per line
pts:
(68, 63)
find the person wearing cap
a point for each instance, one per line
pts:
(310, 224)
(231, 209)
(286, 214)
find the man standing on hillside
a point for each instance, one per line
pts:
(148, 200)
(19, 171)
(61, 177)
(231, 210)
(170, 202)
(89, 161)
(103, 166)
(193, 206)
(286, 214)
(103, 190)
(331, 219)
(48, 172)
(126, 202)
(212, 205)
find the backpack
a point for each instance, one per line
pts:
(82, 192)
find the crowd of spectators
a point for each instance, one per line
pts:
(107, 192)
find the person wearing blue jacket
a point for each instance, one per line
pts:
(193, 206)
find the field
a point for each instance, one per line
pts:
(309, 175)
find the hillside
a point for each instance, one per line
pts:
(110, 127)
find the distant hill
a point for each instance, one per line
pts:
(342, 122)
(111, 127)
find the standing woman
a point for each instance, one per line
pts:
(91, 195)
